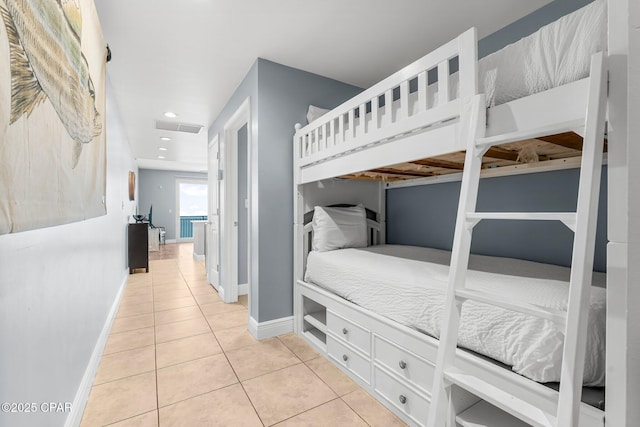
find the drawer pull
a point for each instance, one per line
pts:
(402, 364)
(402, 399)
(345, 357)
(345, 331)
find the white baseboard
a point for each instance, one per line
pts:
(170, 241)
(82, 395)
(221, 292)
(243, 289)
(198, 257)
(270, 328)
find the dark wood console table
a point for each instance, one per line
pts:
(138, 246)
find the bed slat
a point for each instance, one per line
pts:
(375, 108)
(362, 123)
(404, 100)
(388, 108)
(443, 83)
(432, 116)
(423, 95)
(352, 125)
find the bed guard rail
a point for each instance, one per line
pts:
(371, 117)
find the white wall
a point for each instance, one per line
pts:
(57, 286)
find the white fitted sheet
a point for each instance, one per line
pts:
(407, 284)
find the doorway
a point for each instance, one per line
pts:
(191, 206)
(235, 205)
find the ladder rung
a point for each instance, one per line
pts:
(501, 399)
(523, 135)
(555, 316)
(567, 218)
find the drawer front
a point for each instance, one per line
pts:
(352, 333)
(349, 359)
(415, 370)
(407, 401)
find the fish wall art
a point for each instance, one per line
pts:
(52, 103)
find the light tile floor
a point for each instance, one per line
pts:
(178, 356)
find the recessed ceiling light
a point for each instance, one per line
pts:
(162, 149)
(165, 138)
(161, 157)
(170, 114)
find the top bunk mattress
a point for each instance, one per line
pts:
(407, 284)
(556, 54)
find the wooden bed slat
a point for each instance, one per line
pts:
(567, 139)
(502, 153)
(436, 163)
(392, 171)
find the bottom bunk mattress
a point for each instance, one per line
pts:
(407, 284)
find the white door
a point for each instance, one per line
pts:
(228, 197)
(213, 225)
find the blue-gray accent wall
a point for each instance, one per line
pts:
(280, 96)
(425, 215)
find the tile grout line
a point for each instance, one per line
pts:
(128, 418)
(227, 357)
(354, 410)
(155, 346)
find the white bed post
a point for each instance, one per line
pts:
(298, 232)
(623, 251)
(382, 213)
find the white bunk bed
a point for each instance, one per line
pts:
(395, 362)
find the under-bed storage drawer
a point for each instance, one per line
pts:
(415, 370)
(352, 333)
(349, 359)
(404, 398)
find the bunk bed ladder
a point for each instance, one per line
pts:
(574, 320)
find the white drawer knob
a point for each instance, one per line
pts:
(402, 399)
(344, 331)
(402, 364)
(345, 357)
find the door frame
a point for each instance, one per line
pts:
(213, 272)
(229, 202)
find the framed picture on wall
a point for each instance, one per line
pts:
(52, 114)
(132, 185)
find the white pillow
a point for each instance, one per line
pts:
(315, 113)
(337, 228)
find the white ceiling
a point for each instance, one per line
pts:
(188, 56)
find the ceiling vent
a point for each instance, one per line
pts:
(178, 127)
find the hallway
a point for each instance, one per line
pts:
(178, 356)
